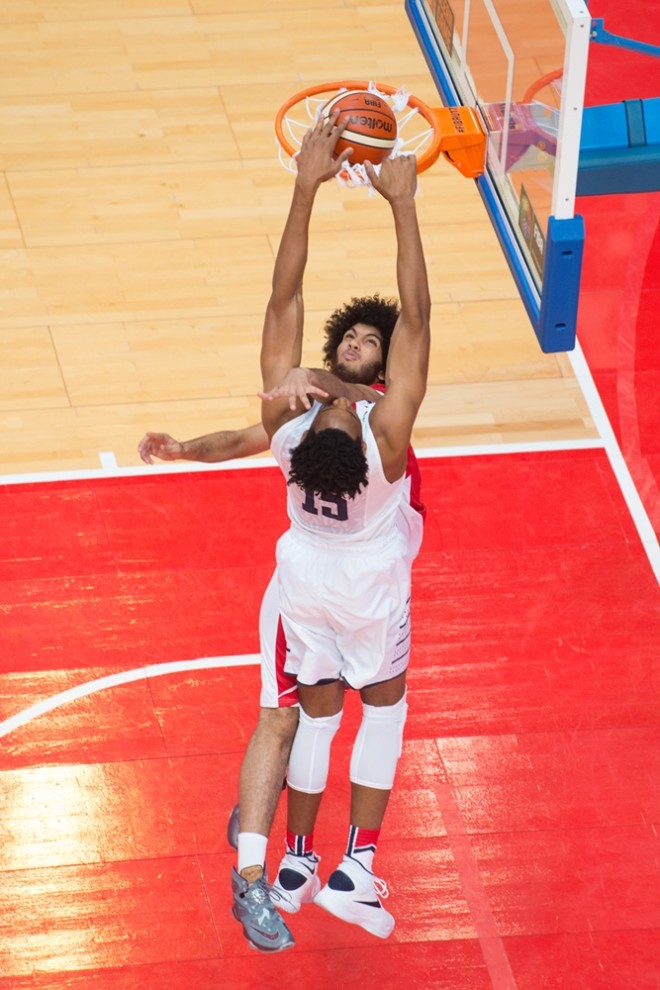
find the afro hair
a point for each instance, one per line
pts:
(373, 311)
(329, 463)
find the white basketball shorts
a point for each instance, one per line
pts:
(345, 610)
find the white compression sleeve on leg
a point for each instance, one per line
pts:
(378, 745)
(310, 755)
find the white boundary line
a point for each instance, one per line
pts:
(606, 441)
(524, 447)
(122, 677)
(110, 469)
(617, 461)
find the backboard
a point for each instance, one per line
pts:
(522, 65)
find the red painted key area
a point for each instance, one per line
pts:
(521, 844)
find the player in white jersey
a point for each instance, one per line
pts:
(344, 566)
(357, 340)
(344, 569)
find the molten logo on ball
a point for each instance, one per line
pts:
(371, 128)
(371, 124)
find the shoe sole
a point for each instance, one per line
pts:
(336, 905)
(289, 906)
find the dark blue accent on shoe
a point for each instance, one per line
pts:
(340, 881)
(291, 879)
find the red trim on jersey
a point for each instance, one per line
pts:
(287, 692)
(412, 469)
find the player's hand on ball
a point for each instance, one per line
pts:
(315, 160)
(397, 177)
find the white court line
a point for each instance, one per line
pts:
(108, 460)
(110, 469)
(123, 677)
(606, 441)
(617, 460)
(522, 447)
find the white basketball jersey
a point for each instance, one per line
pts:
(370, 514)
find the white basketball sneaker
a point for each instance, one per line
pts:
(297, 881)
(354, 894)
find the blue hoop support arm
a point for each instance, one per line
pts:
(602, 37)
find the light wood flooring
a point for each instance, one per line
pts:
(141, 201)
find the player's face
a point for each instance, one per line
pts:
(359, 357)
(338, 415)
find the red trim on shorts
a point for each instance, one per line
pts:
(287, 684)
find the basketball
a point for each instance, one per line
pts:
(371, 130)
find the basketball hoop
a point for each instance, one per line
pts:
(552, 79)
(423, 131)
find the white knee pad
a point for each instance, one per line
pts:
(310, 755)
(378, 745)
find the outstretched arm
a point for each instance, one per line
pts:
(281, 346)
(301, 385)
(225, 445)
(406, 372)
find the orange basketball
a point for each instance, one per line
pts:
(371, 130)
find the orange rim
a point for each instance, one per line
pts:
(427, 158)
(545, 80)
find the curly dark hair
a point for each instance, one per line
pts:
(374, 311)
(329, 463)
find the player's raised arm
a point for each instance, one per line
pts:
(406, 372)
(282, 334)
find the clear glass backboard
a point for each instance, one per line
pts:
(521, 64)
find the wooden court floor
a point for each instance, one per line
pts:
(141, 201)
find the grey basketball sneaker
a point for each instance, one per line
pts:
(262, 925)
(232, 828)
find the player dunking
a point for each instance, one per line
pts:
(357, 342)
(344, 565)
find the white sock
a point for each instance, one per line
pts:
(251, 849)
